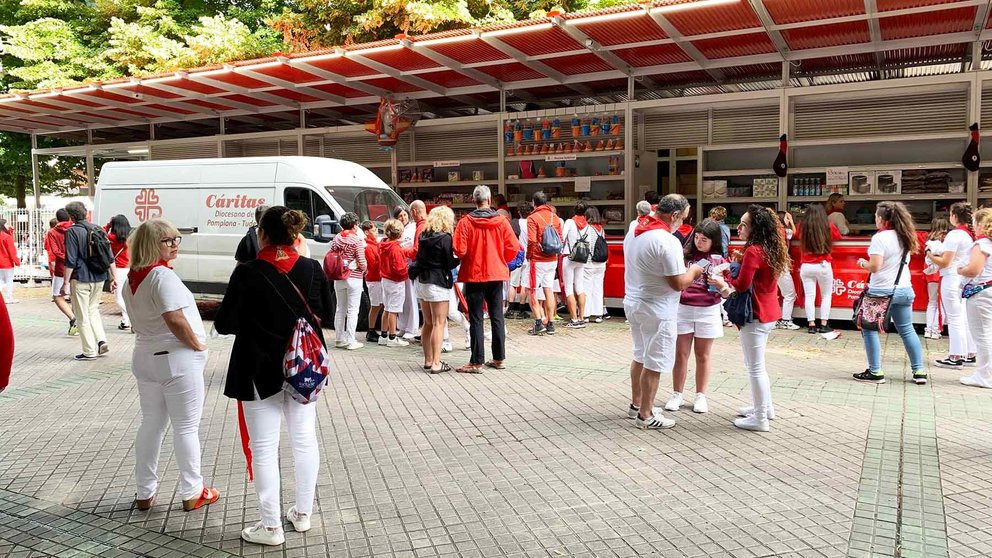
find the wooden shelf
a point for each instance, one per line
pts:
(436, 184)
(810, 199)
(985, 195)
(478, 161)
(582, 155)
(731, 201)
(761, 173)
(556, 180)
(906, 197)
(862, 168)
(589, 202)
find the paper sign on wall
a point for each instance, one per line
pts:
(554, 158)
(443, 164)
(583, 184)
(837, 176)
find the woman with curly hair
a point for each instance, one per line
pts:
(765, 258)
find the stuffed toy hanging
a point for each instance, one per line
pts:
(972, 158)
(781, 165)
(388, 123)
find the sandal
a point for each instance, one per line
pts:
(144, 505)
(470, 369)
(497, 364)
(208, 496)
(445, 367)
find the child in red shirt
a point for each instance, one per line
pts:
(394, 271)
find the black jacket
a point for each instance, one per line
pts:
(256, 309)
(248, 247)
(435, 259)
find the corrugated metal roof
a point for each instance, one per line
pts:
(653, 55)
(543, 41)
(738, 45)
(712, 19)
(821, 36)
(620, 31)
(954, 20)
(795, 11)
(891, 5)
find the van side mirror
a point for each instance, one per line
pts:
(326, 227)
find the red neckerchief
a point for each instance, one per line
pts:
(282, 257)
(580, 222)
(136, 276)
(832, 211)
(599, 228)
(651, 223)
(884, 227)
(347, 232)
(965, 229)
(979, 237)
(684, 230)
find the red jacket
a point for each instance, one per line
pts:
(55, 247)
(372, 274)
(540, 218)
(485, 242)
(757, 275)
(392, 261)
(8, 252)
(411, 253)
(6, 345)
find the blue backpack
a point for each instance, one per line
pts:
(550, 240)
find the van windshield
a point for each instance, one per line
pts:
(372, 204)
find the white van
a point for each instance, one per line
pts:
(212, 202)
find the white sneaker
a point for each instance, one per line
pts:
(446, 347)
(674, 402)
(749, 411)
(354, 346)
(340, 344)
(408, 336)
(398, 342)
(700, 405)
(789, 325)
(750, 422)
(260, 535)
(300, 521)
(632, 412)
(654, 422)
(383, 340)
(468, 344)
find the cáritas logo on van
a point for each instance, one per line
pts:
(240, 201)
(146, 205)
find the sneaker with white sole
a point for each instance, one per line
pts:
(383, 340)
(654, 422)
(353, 346)
(971, 362)
(408, 336)
(700, 405)
(790, 325)
(300, 521)
(920, 377)
(397, 342)
(674, 402)
(748, 411)
(468, 344)
(948, 363)
(340, 344)
(632, 410)
(446, 347)
(258, 534)
(752, 423)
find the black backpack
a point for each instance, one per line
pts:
(99, 256)
(600, 250)
(580, 250)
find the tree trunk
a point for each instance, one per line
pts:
(21, 189)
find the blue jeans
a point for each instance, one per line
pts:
(902, 317)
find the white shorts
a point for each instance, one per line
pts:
(517, 275)
(57, 283)
(393, 296)
(704, 322)
(428, 292)
(654, 333)
(540, 276)
(375, 293)
(574, 277)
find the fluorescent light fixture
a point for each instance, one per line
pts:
(365, 51)
(513, 30)
(607, 17)
(138, 151)
(308, 59)
(691, 5)
(445, 40)
(152, 81)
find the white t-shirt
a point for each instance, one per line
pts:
(161, 291)
(840, 221)
(523, 233)
(985, 245)
(633, 225)
(648, 259)
(959, 242)
(886, 244)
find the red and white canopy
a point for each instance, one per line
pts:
(669, 47)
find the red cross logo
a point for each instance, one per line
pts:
(146, 205)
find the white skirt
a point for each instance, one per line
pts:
(429, 292)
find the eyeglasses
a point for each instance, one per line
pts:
(173, 242)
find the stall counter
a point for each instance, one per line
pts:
(849, 279)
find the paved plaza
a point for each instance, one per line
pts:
(535, 460)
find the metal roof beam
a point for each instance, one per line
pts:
(685, 45)
(185, 97)
(981, 15)
(774, 34)
(593, 46)
(305, 90)
(132, 106)
(231, 88)
(536, 65)
(11, 115)
(397, 74)
(332, 77)
(875, 31)
(452, 64)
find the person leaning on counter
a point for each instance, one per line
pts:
(835, 213)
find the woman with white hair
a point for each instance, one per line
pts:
(643, 209)
(168, 362)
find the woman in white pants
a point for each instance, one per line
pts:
(265, 297)
(575, 230)
(957, 248)
(168, 362)
(978, 273)
(765, 258)
(595, 272)
(816, 237)
(118, 230)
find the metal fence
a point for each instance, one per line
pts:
(28, 227)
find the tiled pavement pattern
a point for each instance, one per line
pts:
(532, 461)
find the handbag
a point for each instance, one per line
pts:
(740, 308)
(874, 312)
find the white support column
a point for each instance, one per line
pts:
(35, 176)
(628, 160)
(974, 115)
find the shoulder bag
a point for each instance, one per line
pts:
(874, 312)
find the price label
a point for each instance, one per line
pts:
(837, 176)
(443, 164)
(554, 158)
(583, 184)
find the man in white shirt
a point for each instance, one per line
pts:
(654, 276)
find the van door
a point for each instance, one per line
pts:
(313, 204)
